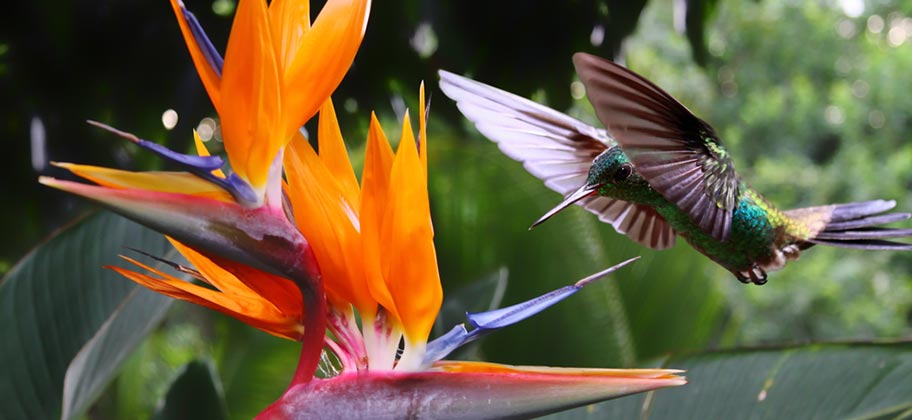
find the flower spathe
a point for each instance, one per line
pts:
(472, 391)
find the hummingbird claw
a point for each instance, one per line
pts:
(755, 275)
(742, 278)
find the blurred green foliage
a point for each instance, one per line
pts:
(811, 98)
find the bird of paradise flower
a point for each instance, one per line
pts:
(318, 250)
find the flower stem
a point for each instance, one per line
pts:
(306, 275)
(314, 332)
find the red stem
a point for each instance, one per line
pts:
(314, 331)
(314, 320)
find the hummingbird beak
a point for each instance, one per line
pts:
(585, 191)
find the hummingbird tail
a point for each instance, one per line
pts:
(854, 225)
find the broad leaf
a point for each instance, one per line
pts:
(55, 300)
(97, 363)
(825, 381)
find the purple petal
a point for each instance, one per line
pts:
(212, 55)
(201, 166)
(446, 344)
(489, 321)
(510, 315)
(195, 162)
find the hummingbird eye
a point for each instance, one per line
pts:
(623, 172)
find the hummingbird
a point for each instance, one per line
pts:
(657, 171)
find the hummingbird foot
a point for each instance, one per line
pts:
(791, 252)
(755, 275)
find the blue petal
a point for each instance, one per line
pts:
(510, 315)
(503, 317)
(212, 55)
(487, 322)
(242, 192)
(202, 163)
(201, 166)
(445, 344)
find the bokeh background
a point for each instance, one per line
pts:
(811, 98)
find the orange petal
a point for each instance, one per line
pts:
(209, 76)
(375, 178)
(289, 20)
(335, 156)
(169, 182)
(487, 367)
(330, 224)
(422, 133)
(203, 151)
(253, 310)
(251, 94)
(216, 276)
(279, 291)
(323, 57)
(413, 278)
(422, 128)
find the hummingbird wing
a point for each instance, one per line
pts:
(556, 148)
(675, 151)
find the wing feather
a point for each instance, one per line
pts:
(671, 147)
(556, 148)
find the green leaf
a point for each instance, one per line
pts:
(56, 299)
(195, 394)
(825, 381)
(97, 363)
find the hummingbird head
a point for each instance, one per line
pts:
(611, 174)
(612, 171)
